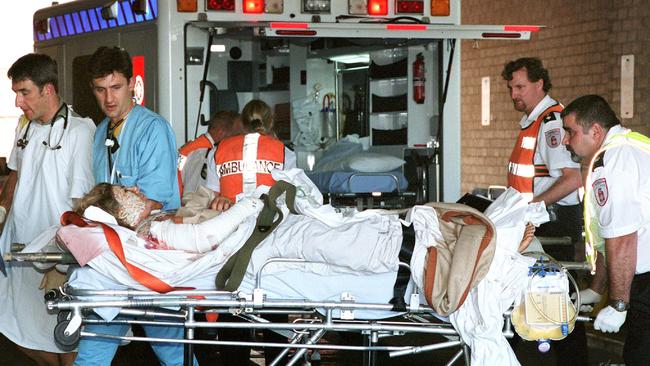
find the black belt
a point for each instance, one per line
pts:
(403, 273)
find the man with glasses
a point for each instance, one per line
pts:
(50, 166)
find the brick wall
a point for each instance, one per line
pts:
(581, 47)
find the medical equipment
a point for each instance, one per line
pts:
(546, 312)
(62, 112)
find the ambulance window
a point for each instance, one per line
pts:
(83, 99)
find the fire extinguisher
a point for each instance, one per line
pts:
(418, 79)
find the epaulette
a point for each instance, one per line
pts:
(549, 117)
(600, 161)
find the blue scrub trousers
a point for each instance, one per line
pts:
(100, 351)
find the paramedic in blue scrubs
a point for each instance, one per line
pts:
(134, 147)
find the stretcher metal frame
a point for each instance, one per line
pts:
(312, 319)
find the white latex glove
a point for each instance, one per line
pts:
(588, 297)
(3, 214)
(609, 320)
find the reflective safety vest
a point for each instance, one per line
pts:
(202, 142)
(245, 162)
(521, 167)
(593, 241)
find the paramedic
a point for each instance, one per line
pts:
(135, 147)
(193, 156)
(540, 167)
(244, 162)
(50, 166)
(256, 151)
(617, 193)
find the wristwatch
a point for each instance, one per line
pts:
(619, 305)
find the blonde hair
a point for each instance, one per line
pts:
(100, 196)
(257, 117)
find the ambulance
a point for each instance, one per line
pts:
(387, 71)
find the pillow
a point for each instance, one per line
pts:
(374, 163)
(336, 157)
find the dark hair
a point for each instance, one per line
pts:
(590, 109)
(226, 122)
(256, 117)
(40, 69)
(534, 69)
(107, 60)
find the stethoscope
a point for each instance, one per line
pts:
(112, 144)
(61, 112)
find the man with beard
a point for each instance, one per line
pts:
(542, 169)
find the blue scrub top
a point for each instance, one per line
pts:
(146, 158)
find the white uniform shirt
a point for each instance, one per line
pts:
(622, 196)
(47, 181)
(212, 182)
(193, 167)
(550, 151)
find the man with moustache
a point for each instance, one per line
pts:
(541, 168)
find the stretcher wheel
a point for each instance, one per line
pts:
(62, 316)
(65, 342)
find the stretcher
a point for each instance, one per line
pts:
(352, 300)
(311, 320)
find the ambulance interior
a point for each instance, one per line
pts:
(345, 106)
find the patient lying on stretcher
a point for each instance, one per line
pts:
(162, 230)
(129, 208)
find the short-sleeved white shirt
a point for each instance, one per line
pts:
(550, 151)
(623, 207)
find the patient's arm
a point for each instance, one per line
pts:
(207, 235)
(529, 234)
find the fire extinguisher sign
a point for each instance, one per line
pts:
(138, 75)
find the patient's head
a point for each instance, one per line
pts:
(128, 205)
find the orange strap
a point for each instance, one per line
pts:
(145, 278)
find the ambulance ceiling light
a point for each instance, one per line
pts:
(218, 48)
(225, 5)
(352, 59)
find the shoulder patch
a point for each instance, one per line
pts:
(601, 193)
(553, 137)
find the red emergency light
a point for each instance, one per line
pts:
(410, 6)
(228, 5)
(377, 7)
(253, 6)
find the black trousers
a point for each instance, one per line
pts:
(636, 351)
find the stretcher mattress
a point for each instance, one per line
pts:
(354, 182)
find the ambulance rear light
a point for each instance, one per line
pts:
(186, 6)
(316, 6)
(440, 8)
(377, 7)
(410, 6)
(221, 5)
(253, 6)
